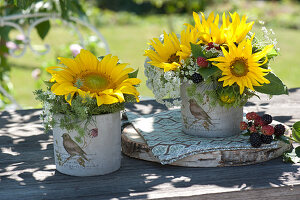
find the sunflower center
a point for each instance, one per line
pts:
(93, 82)
(239, 67)
(173, 58)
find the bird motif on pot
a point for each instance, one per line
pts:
(72, 147)
(198, 112)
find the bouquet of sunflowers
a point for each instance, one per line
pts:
(219, 52)
(86, 86)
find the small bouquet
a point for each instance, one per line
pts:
(84, 87)
(219, 52)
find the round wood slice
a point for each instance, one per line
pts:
(133, 145)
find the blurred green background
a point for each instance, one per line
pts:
(129, 25)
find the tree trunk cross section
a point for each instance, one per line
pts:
(133, 145)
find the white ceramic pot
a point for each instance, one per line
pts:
(98, 153)
(204, 120)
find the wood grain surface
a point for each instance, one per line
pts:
(27, 169)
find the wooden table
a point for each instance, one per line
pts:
(27, 169)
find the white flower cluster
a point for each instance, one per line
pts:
(165, 85)
(269, 37)
(46, 115)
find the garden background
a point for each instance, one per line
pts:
(129, 25)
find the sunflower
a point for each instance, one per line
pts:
(238, 28)
(239, 65)
(105, 80)
(188, 36)
(164, 54)
(208, 28)
(234, 30)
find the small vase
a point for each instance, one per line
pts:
(204, 120)
(97, 153)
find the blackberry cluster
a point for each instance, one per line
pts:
(196, 78)
(267, 119)
(279, 130)
(255, 140)
(260, 129)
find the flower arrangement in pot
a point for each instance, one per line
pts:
(82, 105)
(211, 69)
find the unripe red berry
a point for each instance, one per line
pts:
(243, 126)
(267, 130)
(202, 62)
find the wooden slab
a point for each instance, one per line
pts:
(133, 145)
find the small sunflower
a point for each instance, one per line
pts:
(188, 36)
(240, 66)
(105, 80)
(233, 29)
(164, 54)
(238, 28)
(208, 28)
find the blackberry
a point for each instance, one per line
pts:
(266, 139)
(255, 140)
(267, 119)
(250, 124)
(279, 130)
(197, 78)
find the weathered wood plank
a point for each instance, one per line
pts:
(27, 170)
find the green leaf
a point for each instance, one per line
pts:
(49, 84)
(133, 74)
(247, 133)
(209, 71)
(283, 139)
(197, 50)
(272, 53)
(297, 151)
(275, 87)
(4, 32)
(64, 9)
(43, 29)
(296, 131)
(77, 8)
(292, 156)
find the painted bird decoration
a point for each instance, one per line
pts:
(198, 112)
(72, 147)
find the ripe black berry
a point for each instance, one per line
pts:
(197, 78)
(250, 124)
(267, 119)
(267, 139)
(255, 140)
(279, 130)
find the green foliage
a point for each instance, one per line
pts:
(197, 51)
(23, 4)
(273, 53)
(66, 8)
(80, 112)
(292, 156)
(178, 5)
(209, 71)
(275, 87)
(43, 29)
(133, 74)
(296, 132)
